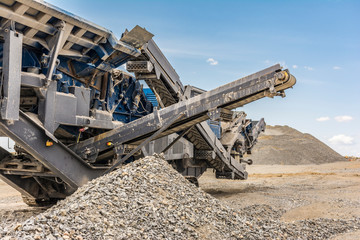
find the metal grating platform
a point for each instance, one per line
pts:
(83, 40)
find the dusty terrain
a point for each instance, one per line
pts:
(299, 192)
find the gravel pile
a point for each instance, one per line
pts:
(148, 199)
(287, 146)
(12, 218)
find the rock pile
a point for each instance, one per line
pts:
(12, 218)
(148, 199)
(287, 146)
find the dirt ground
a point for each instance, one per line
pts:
(10, 199)
(301, 192)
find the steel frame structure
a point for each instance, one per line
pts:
(55, 167)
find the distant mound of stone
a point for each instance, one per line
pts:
(287, 146)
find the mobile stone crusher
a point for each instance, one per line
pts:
(75, 116)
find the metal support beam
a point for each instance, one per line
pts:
(11, 77)
(30, 135)
(157, 133)
(55, 50)
(177, 139)
(32, 80)
(49, 109)
(24, 185)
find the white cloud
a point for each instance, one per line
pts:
(294, 66)
(341, 139)
(322, 119)
(344, 118)
(309, 68)
(347, 149)
(337, 68)
(212, 61)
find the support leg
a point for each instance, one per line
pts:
(149, 139)
(11, 81)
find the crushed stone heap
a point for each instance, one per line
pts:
(287, 146)
(148, 199)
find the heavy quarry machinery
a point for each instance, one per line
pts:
(75, 115)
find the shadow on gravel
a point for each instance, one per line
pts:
(229, 192)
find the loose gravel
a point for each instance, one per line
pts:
(148, 199)
(12, 218)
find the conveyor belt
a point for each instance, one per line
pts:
(167, 85)
(194, 111)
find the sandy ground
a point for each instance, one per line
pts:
(302, 191)
(10, 199)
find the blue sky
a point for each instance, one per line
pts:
(319, 41)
